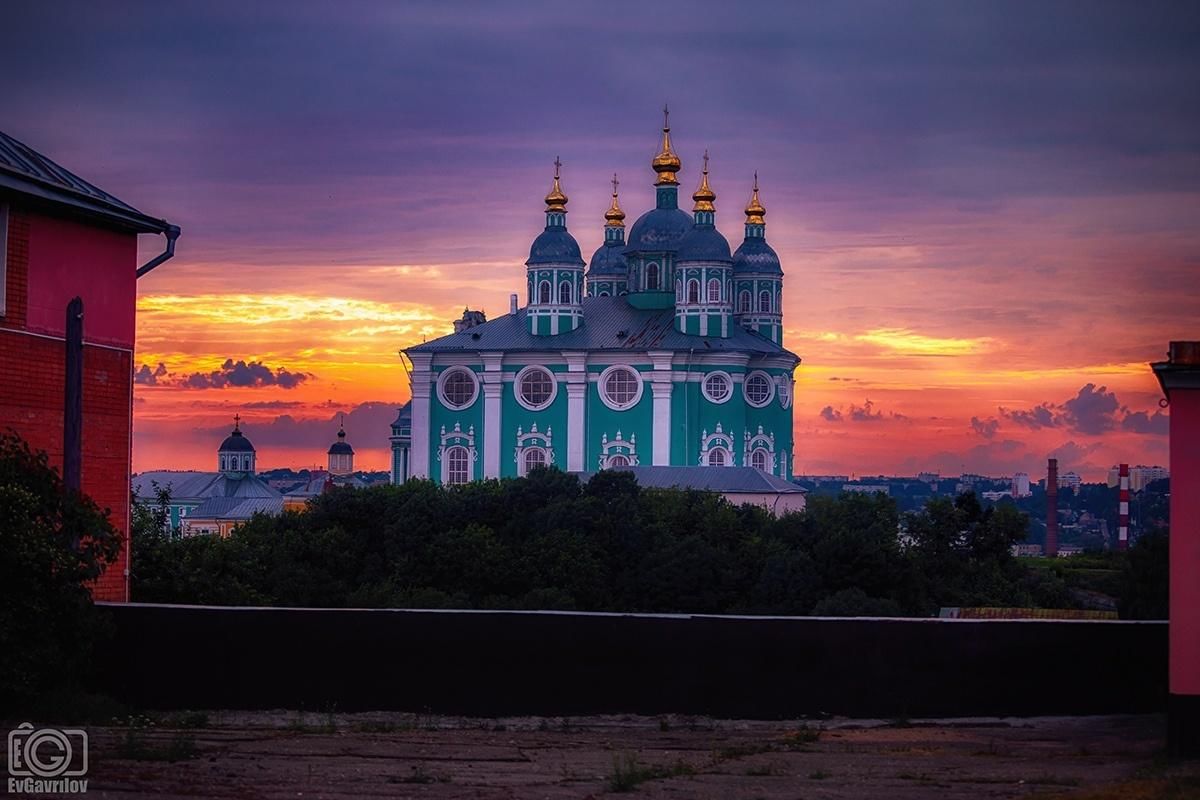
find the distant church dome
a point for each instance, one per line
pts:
(341, 446)
(236, 442)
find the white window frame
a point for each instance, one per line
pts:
(767, 306)
(745, 302)
(565, 284)
(601, 387)
(718, 399)
(785, 393)
(530, 451)
(693, 291)
(714, 290)
(760, 453)
(446, 458)
(441, 387)
(520, 377)
(725, 455)
(545, 293)
(653, 269)
(770, 388)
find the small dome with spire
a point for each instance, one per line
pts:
(666, 163)
(754, 209)
(555, 245)
(614, 217)
(556, 200)
(236, 441)
(341, 446)
(704, 196)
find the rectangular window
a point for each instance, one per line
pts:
(3, 257)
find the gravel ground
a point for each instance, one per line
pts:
(288, 754)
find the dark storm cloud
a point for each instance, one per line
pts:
(830, 414)
(242, 374)
(149, 377)
(1093, 410)
(985, 427)
(867, 412)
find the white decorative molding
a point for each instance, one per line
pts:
(457, 438)
(770, 383)
(445, 375)
(760, 441)
(660, 386)
(520, 375)
(422, 380)
(533, 440)
(576, 408)
(712, 441)
(618, 447)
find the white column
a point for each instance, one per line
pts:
(660, 385)
(493, 387)
(422, 383)
(576, 409)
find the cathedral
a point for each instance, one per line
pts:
(667, 350)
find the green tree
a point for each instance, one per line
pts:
(54, 541)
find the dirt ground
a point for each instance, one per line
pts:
(361, 756)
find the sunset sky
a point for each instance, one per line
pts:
(988, 215)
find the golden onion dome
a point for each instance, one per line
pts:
(666, 163)
(754, 209)
(614, 217)
(704, 196)
(556, 200)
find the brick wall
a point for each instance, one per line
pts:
(31, 399)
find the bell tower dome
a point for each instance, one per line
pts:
(236, 456)
(554, 271)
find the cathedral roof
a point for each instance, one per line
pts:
(703, 243)
(404, 417)
(611, 323)
(194, 485)
(555, 246)
(659, 229)
(609, 259)
(755, 255)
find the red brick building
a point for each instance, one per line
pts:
(62, 238)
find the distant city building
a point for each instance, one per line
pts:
(201, 502)
(1139, 476)
(928, 477)
(1020, 485)
(867, 488)
(994, 496)
(1026, 550)
(1070, 480)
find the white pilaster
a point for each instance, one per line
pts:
(422, 383)
(493, 388)
(576, 409)
(660, 385)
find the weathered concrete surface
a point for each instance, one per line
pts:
(361, 756)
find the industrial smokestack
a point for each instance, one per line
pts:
(1052, 507)
(1123, 509)
(512, 304)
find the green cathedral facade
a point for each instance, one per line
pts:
(664, 349)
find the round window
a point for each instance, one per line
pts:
(718, 387)
(458, 387)
(758, 389)
(535, 388)
(620, 387)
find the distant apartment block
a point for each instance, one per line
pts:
(1139, 476)
(1020, 485)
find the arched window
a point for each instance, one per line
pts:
(617, 461)
(764, 300)
(246, 462)
(678, 290)
(744, 302)
(534, 457)
(693, 291)
(458, 465)
(758, 459)
(602, 293)
(223, 463)
(714, 290)
(564, 293)
(716, 457)
(652, 277)
(544, 292)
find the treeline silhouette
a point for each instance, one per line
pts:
(547, 541)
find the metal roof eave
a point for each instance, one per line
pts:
(31, 186)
